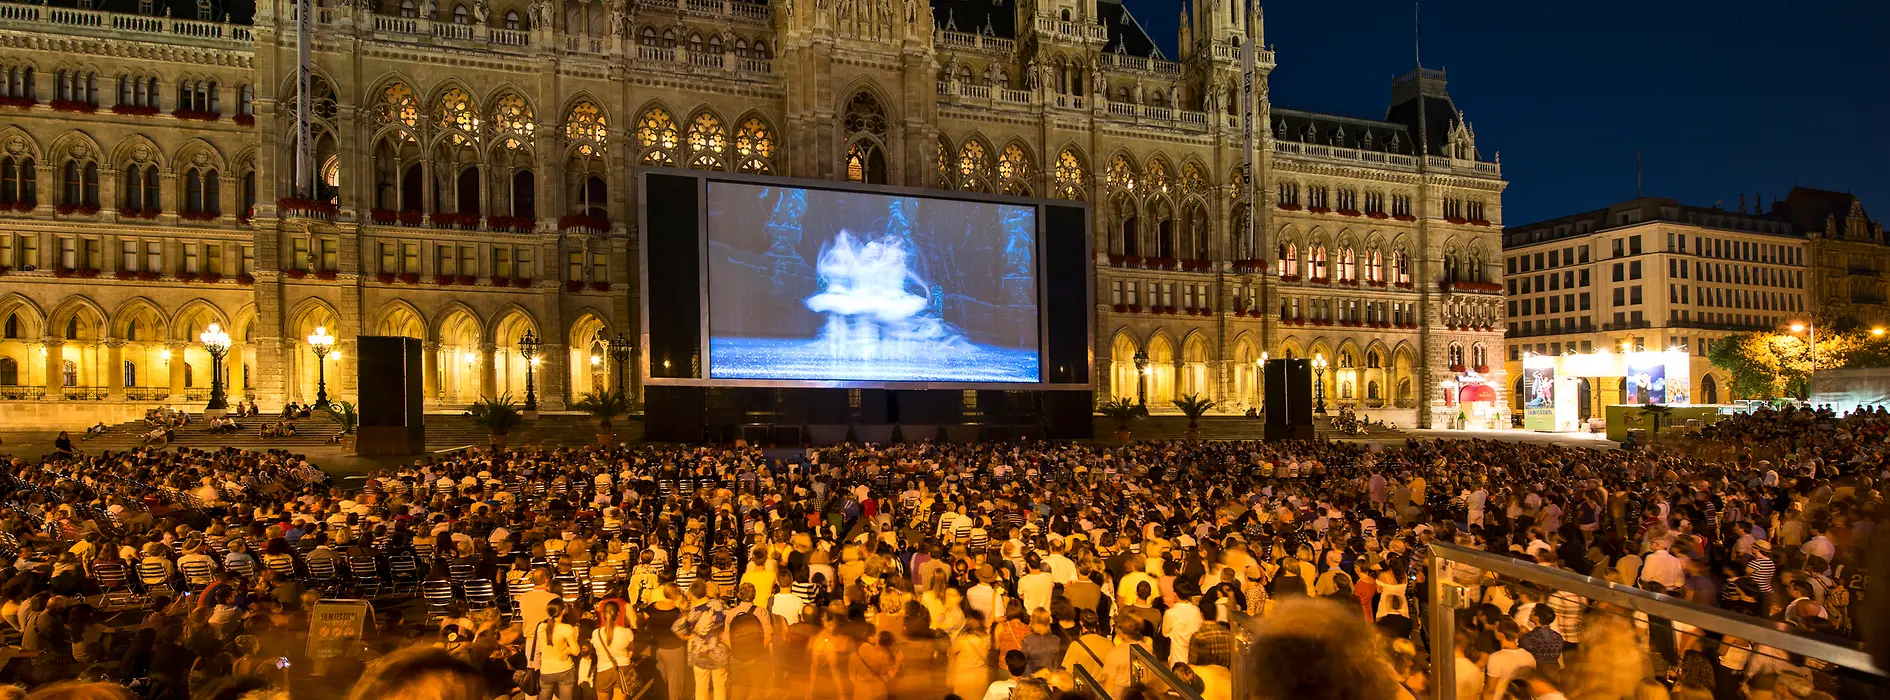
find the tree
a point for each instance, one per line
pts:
(1193, 406)
(1122, 411)
(343, 414)
(1657, 415)
(1779, 363)
(498, 416)
(604, 406)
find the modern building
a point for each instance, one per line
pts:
(476, 162)
(1654, 274)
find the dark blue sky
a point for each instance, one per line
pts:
(1721, 96)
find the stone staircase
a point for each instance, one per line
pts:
(1174, 427)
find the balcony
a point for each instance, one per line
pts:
(22, 393)
(83, 393)
(974, 42)
(115, 25)
(1861, 271)
(1344, 155)
(1071, 31)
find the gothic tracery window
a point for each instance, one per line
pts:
(1158, 180)
(942, 159)
(1191, 177)
(1121, 173)
(657, 137)
(754, 146)
(586, 126)
(974, 161)
(1070, 176)
(456, 113)
(865, 114)
(512, 120)
(398, 105)
(707, 142)
(1014, 163)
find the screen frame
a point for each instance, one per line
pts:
(704, 177)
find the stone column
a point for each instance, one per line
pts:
(115, 370)
(430, 372)
(49, 188)
(234, 375)
(489, 370)
(553, 375)
(54, 352)
(177, 370)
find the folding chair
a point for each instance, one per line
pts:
(197, 574)
(155, 577)
(322, 573)
(479, 593)
(439, 597)
(404, 571)
(367, 574)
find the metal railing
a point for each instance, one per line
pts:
(1147, 671)
(83, 393)
(147, 393)
(1766, 638)
(22, 393)
(121, 25)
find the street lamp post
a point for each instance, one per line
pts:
(528, 349)
(1260, 379)
(1810, 329)
(620, 353)
(1319, 383)
(322, 344)
(1141, 378)
(216, 342)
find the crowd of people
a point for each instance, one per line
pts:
(981, 572)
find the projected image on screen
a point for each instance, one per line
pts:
(821, 285)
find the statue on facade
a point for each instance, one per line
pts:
(912, 11)
(541, 14)
(619, 17)
(480, 11)
(1097, 80)
(1030, 73)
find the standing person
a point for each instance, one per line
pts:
(968, 662)
(555, 646)
(1182, 620)
(659, 621)
(705, 630)
(872, 668)
(611, 641)
(1505, 662)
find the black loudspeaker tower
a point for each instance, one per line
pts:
(391, 404)
(1289, 405)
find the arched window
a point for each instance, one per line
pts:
(669, 38)
(741, 48)
(190, 375)
(1371, 390)
(754, 147)
(1401, 267)
(1348, 264)
(715, 44)
(648, 36)
(13, 326)
(460, 15)
(141, 188)
(695, 43)
(512, 20)
(658, 137)
(1316, 262)
(761, 50)
(1455, 355)
(1709, 388)
(1070, 176)
(865, 162)
(1372, 360)
(592, 194)
(408, 10)
(707, 142)
(1289, 260)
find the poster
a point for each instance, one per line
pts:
(1646, 378)
(335, 628)
(1539, 398)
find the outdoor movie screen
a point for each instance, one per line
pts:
(847, 286)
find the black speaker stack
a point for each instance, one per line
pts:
(1289, 400)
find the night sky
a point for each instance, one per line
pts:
(1721, 96)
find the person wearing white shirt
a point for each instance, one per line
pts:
(1663, 567)
(1504, 663)
(1181, 621)
(1061, 569)
(1034, 589)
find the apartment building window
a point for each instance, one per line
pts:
(331, 254)
(1620, 296)
(1510, 265)
(444, 260)
(1634, 270)
(390, 257)
(1618, 270)
(1511, 282)
(1634, 295)
(468, 260)
(248, 263)
(574, 266)
(298, 254)
(190, 258)
(213, 259)
(1400, 205)
(1617, 247)
(128, 259)
(1555, 282)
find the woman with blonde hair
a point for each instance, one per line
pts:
(1042, 647)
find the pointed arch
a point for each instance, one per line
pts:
(130, 147)
(312, 307)
(15, 304)
(400, 317)
(91, 317)
(707, 139)
(448, 311)
(11, 135)
(1159, 173)
(511, 314)
(657, 134)
(180, 324)
(888, 107)
(1071, 173)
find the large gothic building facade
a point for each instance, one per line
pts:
(475, 163)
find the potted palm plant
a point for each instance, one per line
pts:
(1193, 406)
(344, 415)
(1657, 415)
(604, 406)
(1122, 411)
(498, 416)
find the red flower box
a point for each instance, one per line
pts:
(445, 280)
(326, 274)
(1479, 222)
(409, 278)
(522, 282)
(1289, 278)
(148, 275)
(1483, 369)
(1117, 260)
(186, 277)
(196, 115)
(1350, 212)
(62, 272)
(1375, 283)
(246, 279)
(385, 278)
(1405, 217)
(1349, 283)
(600, 286)
(303, 204)
(295, 274)
(73, 106)
(244, 119)
(211, 278)
(411, 218)
(467, 280)
(574, 286)
(1122, 308)
(516, 224)
(1377, 215)
(134, 110)
(20, 102)
(87, 272)
(1289, 207)
(124, 274)
(383, 216)
(1319, 210)
(581, 221)
(1456, 219)
(1319, 280)
(140, 213)
(23, 206)
(1404, 285)
(1457, 368)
